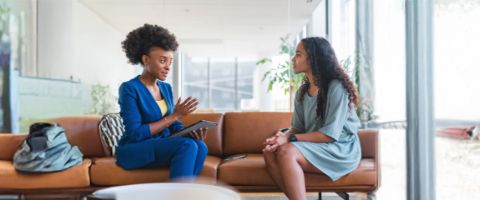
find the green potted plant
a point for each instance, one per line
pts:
(103, 101)
(282, 75)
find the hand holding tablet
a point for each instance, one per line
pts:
(195, 126)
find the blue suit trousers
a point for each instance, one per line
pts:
(184, 156)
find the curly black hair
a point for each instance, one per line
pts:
(325, 67)
(141, 40)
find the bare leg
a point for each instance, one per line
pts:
(272, 168)
(292, 166)
(291, 171)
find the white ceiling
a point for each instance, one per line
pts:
(215, 28)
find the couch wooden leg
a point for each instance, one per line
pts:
(319, 196)
(344, 195)
(371, 196)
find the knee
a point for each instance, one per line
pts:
(202, 147)
(286, 152)
(188, 145)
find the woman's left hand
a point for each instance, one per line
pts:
(276, 141)
(199, 134)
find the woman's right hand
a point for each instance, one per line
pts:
(271, 142)
(186, 107)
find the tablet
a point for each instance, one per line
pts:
(197, 125)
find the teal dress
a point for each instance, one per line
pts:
(343, 154)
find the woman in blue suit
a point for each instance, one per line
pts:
(150, 114)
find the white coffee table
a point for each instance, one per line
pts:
(167, 191)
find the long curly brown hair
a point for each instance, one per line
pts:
(325, 68)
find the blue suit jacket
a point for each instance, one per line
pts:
(138, 108)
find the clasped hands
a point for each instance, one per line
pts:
(272, 143)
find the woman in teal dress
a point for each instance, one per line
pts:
(323, 137)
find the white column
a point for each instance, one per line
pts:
(420, 115)
(328, 16)
(364, 62)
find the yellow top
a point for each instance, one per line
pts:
(163, 106)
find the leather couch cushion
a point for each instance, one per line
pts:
(245, 132)
(105, 172)
(251, 171)
(75, 177)
(9, 143)
(214, 136)
(365, 176)
(82, 131)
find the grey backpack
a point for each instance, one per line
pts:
(46, 149)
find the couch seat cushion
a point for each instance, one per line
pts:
(251, 171)
(74, 177)
(105, 172)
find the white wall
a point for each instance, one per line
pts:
(72, 42)
(98, 55)
(75, 42)
(54, 39)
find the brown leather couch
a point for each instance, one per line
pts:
(237, 133)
